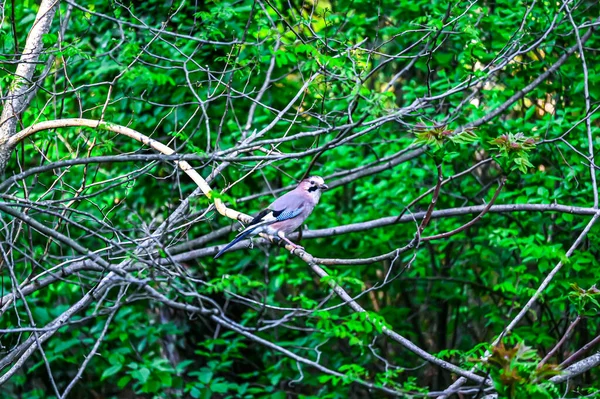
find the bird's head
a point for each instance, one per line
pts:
(314, 186)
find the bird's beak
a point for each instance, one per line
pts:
(324, 187)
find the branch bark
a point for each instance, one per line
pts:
(17, 99)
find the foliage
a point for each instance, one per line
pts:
(585, 301)
(373, 96)
(515, 148)
(516, 374)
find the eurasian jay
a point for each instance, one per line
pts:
(285, 214)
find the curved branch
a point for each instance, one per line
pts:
(125, 131)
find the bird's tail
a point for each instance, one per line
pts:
(237, 239)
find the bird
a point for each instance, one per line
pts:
(285, 214)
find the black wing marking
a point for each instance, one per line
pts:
(258, 218)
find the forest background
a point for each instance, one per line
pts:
(455, 255)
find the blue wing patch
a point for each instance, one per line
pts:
(286, 214)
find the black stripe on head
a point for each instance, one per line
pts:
(313, 188)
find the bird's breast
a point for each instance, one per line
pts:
(285, 226)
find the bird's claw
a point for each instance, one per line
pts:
(296, 246)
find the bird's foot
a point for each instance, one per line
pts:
(294, 246)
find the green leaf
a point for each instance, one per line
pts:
(112, 370)
(141, 374)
